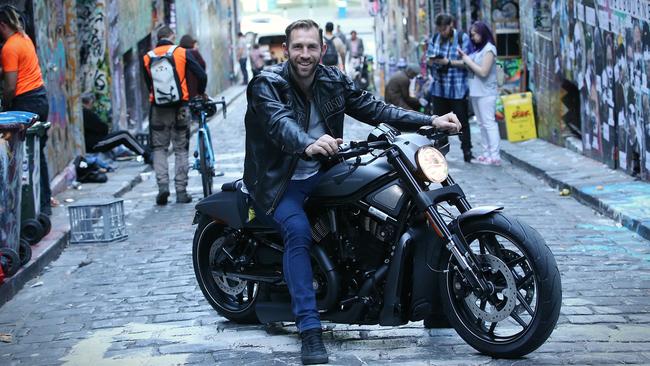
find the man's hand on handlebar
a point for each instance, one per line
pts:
(326, 145)
(447, 123)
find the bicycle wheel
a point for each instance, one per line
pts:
(206, 171)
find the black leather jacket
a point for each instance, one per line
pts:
(277, 121)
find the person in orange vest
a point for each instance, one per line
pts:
(166, 69)
(24, 89)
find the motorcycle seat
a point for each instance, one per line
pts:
(232, 186)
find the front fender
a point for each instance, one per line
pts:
(477, 212)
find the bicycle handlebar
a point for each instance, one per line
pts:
(198, 104)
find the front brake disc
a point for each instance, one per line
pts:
(506, 303)
(529, 286)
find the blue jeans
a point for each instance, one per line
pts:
(296, 263)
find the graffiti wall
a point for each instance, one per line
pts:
(603, 48)
(211, 23)
(51, 25)
(95, 76)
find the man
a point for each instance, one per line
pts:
(336, 54)
(296, 110)
(97, 137)
(23, 87)
(355, 45)
(449, 88)
(340, 34)
(242, 56)
(397, 88)
(172, 123)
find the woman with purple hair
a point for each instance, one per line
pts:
(482, 80)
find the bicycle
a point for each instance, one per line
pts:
(204, 160)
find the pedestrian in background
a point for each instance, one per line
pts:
(481, 63)
(23, 87)
(397, 88)
(170, 115)
(335, 51)
(355, 45)
(339, 33)
(257, 59)
(449, 87)
(192, 46)
(242, 56)
(98, 138)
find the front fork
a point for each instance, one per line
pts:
(426, 201)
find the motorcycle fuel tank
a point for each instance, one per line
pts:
(339, 181)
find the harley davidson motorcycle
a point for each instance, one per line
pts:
(395, 240)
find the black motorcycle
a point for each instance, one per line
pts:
(390, 246)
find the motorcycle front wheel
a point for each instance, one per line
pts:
(524, 307)
(231, 297)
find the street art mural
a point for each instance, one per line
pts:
(135, 17)
(603, 48)
(210, 22)
(52, 42)
(95, 76)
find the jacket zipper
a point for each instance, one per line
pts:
(292, 167)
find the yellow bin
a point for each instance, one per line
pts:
(520, 119)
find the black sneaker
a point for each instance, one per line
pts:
(468, 157)
(161, 198)
(313, 350)
(183, 197)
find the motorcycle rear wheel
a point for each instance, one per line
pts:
(520, 316)
(232, 298)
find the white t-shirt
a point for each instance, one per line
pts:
(487, 86)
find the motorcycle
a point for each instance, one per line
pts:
(395, 240)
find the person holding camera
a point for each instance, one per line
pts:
(449, 87)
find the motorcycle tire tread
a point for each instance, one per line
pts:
(549, 282)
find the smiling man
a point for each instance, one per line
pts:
(295, 111)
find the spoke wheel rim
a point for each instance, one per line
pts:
(485, 329)
(231, 294)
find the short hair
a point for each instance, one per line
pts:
(302, 24)
(444, 19)
(187, 41)
(240, 34)
(164, 32)
(329, 26)
(412, 68)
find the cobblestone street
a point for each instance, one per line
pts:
(136, 302)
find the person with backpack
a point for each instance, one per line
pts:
(166, 68)
(483, 92)
(335, 50)
(449, 87)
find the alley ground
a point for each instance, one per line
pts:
(136, 302)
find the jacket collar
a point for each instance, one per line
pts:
(164, 42)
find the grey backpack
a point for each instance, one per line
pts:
(166, 85)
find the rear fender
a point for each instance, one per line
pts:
(228, 207)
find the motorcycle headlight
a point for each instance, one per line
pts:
(432, 164)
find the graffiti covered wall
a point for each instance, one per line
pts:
(95, 76)
(59, 69)
(603, 48)
(210, 22)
